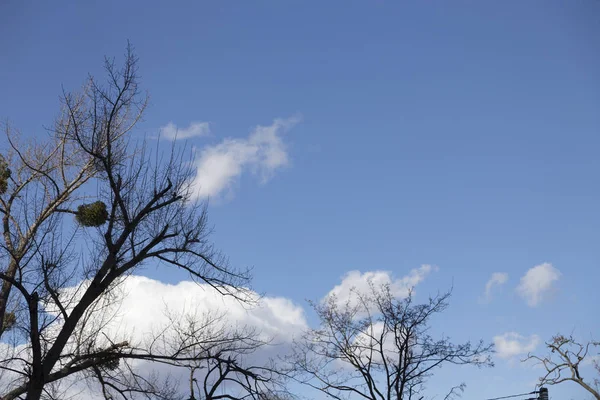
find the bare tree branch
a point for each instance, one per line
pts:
(377, 347)
(132, 207)
(565, 360)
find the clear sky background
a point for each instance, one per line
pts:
(459, 134)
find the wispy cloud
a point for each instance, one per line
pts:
(262, 153)
(512, 344)
(356, 282)
(537, 283)
(195, 129)
(497, 279)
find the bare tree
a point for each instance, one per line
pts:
(81, 211)
(378, 347)
(564, 362)
(222, 359)
(225, 376)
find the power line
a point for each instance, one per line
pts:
(514, 395)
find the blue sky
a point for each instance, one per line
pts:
(458, 134)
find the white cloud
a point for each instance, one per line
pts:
(512, 344)
(146, 299)
(357, 282)
(537, 282)
(497, 279)
(195, 129)
(146, 306)
(262, 153)
(368, 341)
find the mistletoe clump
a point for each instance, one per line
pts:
(110, 364)
(4, 175)
(93, 214)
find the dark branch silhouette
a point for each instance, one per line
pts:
(564, 361)
(377, 347)
(81, 211)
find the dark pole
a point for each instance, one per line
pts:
(543, 393)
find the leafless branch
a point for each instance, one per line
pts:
(377, 347)
(81, 211)
(564, 362)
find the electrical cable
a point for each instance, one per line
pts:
(514, 395)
